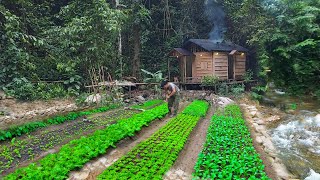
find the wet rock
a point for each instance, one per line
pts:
(269, 147)
(253, 113)
(290, 111)
(281, 170)
(272, 155)
(9, 97)
(251, 108)
(273, 118)
(260, 122)
(259, 140)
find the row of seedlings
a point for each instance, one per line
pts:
(153, 157)
(148, 104)
(20, 150)
(78, 152)
(33, 126)
(228, 152)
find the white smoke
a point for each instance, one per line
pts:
(216, 16)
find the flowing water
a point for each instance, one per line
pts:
(298, 135)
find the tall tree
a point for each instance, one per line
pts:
(138, 20)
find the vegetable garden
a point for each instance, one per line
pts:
(227, 154)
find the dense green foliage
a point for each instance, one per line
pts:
(231, 110)
(55, 41)
(210, 80)
(62, 40)
(153, 157)
(292, 47)
(196, 108)
(32, 126)
(148, 104)
(228, 152)
(18, 151)
(284, 36)
(77, 152)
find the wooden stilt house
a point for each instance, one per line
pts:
(201, 57)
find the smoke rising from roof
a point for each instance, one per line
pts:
(216, 16)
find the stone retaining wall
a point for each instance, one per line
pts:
(259, 122)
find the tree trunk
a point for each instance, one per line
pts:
(136, 51)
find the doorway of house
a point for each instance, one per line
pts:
(189, 66)
(230, 67)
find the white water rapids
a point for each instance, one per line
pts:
(298, 139)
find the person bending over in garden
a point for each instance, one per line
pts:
(172, 96)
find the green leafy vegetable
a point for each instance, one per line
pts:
(78, 152)
(153, 157)
(228, 152)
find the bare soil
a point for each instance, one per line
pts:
(19, 107)
(20, 112)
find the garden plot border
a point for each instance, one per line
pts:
(76, 153)
(154, 156)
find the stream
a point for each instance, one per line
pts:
(297, 136)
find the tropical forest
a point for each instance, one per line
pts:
(166, 89)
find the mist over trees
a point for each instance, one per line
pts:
(58, 40)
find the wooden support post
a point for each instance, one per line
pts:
(168, 69)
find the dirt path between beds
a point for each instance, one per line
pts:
(183, 167)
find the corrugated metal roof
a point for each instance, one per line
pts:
(211, 45)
